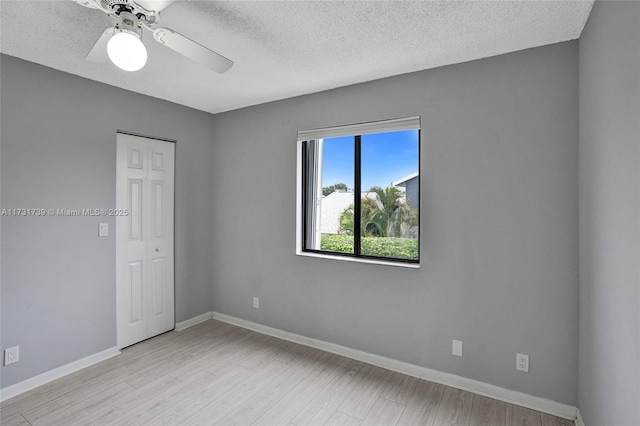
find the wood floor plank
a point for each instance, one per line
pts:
(521, 416)
(71, 387)
(454, 408)
(229, 400)
(161, 402)
(322, 407)
(64, 414)
(422, 405)
(185, 355)
(276, 349)
(223, 349)
(366, 391)
(304, 392)
(237, 353)
(14, 419)
(341, 419)
(399, 388)
(487, 412)
(118, 409)
(549, 420)
(182, 406)
(383, 413)
(252, 408)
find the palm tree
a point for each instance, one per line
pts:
(383, 213)
(346, 221)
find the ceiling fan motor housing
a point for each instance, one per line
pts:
(114, 5)
(129, 23)
(118, 7)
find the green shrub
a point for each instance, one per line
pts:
(340, 243)
(398, 248)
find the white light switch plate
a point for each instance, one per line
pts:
(103, 230)
(456, 348)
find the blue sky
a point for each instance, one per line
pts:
(386, 157)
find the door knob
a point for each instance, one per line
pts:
(157, 249)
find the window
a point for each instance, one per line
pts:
(359, 191)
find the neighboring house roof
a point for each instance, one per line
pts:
(405, 179)
(332, 207)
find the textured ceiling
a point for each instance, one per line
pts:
(288, 48)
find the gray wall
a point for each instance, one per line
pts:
(609, 380)
(58, 151)
(499, 236)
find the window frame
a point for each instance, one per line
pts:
(302, 208)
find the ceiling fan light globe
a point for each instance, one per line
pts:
(126, 51)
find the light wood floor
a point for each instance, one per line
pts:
(216, 373)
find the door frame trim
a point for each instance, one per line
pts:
(141, 135)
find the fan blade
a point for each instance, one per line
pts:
(98, 53)
(192, 50)
(91, 4)
(154, 5)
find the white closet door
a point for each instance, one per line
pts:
(144, 238)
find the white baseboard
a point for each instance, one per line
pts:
(56, 373)
(579, 420)
(193, 321)
(518, 398)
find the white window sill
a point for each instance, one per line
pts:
(360, 260)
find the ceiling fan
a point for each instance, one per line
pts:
(122, 42)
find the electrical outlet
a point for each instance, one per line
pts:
(11, 355)
(456, 347)
(522, 363)
(256, 303)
